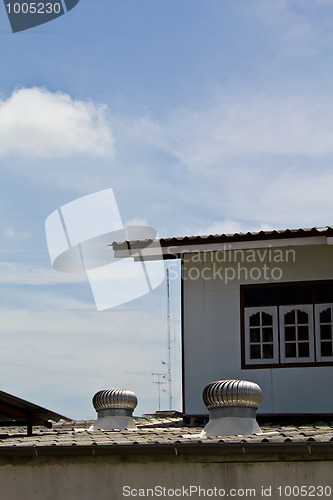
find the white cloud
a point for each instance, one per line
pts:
(37, 123)
(229, 226)
(137, 221)
(259, 157)
(246, 150)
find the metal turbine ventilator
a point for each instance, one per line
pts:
(114, 409)
(232, 406)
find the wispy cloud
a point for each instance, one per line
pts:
(245, 161)
(244, 125)
(13, 234)
(37, 123)
(299, 28)
(229, 226)
(264, 157)
(14, 273)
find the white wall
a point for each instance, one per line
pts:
(101, 479)
(212, 330)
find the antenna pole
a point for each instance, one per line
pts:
(169, 339)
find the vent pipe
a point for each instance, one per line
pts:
(232, 406)
(114, 409)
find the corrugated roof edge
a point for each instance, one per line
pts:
(226, 238)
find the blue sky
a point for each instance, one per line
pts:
(204, 116)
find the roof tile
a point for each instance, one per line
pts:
(159, 432)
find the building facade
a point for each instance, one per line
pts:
(257, 307)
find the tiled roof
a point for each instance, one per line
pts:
(227, 238)
(167, 436)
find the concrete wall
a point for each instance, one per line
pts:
(103, 479)
(212, 346)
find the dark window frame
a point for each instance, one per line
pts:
(278, 287)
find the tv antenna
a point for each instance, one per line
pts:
(159, 382)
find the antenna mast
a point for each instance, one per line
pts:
(169, 340)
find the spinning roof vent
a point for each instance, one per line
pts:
(114, 409)
(232, 406)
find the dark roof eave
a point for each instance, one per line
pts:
(15, 409)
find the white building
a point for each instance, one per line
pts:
(258, 307)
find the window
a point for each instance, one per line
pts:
(286, 324)
(324, 325)
(261, 331)
(296, 329)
